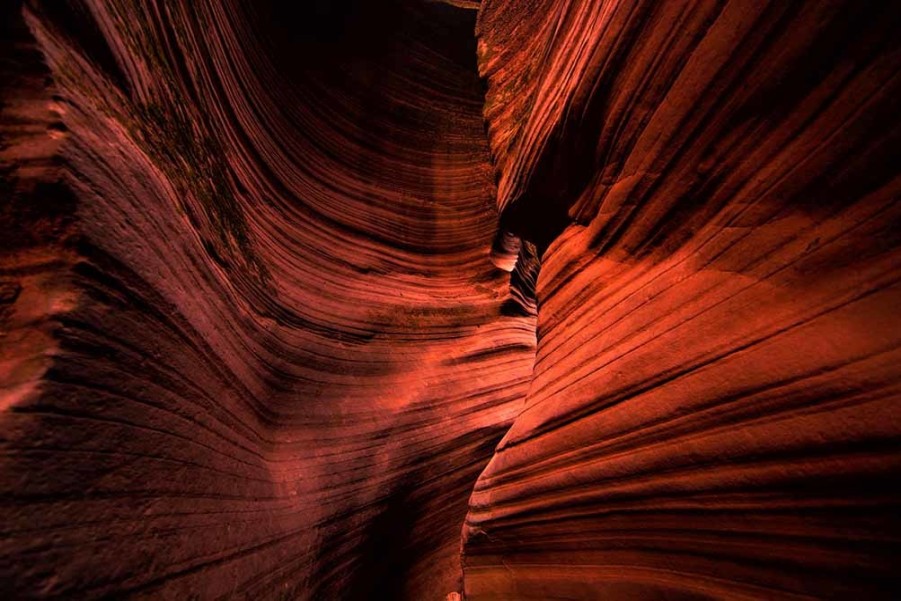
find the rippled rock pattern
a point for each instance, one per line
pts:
(268, 353)
(714, 410)
(290, 293)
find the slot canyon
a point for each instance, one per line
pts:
(449, 299)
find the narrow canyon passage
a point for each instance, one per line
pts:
(411, 299)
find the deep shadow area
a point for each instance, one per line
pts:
(314, 37)
(385, 548)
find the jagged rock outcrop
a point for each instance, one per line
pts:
(714, 410)
(271, 278)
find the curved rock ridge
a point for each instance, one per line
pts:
(714, 408)
(255, 344)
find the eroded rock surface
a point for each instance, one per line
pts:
(714, 410)
(271, 279)
(271, 354)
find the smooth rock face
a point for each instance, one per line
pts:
(272, 274)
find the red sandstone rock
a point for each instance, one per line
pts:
(277, 354)
(265, 313)
(714, 409)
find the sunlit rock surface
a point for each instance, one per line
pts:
(273, 276)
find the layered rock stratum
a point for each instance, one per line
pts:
(519, 299)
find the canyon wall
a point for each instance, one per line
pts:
(290, 293)
(714, 409)
(257, 346)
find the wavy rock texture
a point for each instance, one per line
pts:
(268, 298)
(714, 410)
(266, 354)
